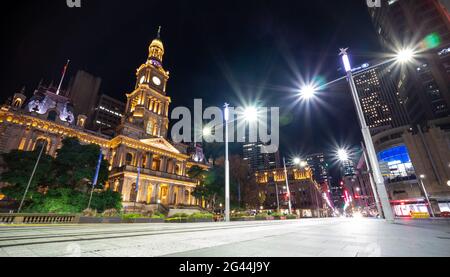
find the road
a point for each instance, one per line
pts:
(309, 237)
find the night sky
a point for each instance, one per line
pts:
(221, 51)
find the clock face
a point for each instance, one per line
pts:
(142, 80)
(156, 81)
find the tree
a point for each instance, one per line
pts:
(76, 163)
(60, 185)
(20, 164)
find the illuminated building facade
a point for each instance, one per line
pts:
(140, 142)
(425, 26)
(306, 195)
(407, 153)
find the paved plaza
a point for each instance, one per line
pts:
(333, 237)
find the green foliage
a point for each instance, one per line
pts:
(132, 216)
(76, 164)
(201, 216)
(176, 219)
(158, 215)
(60, 200)
(262, 216)
(60, 185)
(105, 200)
(65, 200)
(291, 216)
(277, 215)
(20, 166)
(178, 215)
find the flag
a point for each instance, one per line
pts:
(137, 179)
(97, 171)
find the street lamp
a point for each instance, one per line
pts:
(227, 165)
(405, 55)
(307, 92)
(300, 162)
(207, 131)
(448, 183)
(250, 114)
(421, 178)
(379, 180)
(287, 186)
(343, 155)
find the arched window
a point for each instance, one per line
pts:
(41, 142)
(133, 193)
(17, 103)
(129, 159)
(52, 116)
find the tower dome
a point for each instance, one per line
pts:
(156, 49)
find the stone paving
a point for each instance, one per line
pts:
(299, 238)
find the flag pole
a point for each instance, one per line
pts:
(62, 78)
(137, 188)
(97, 171)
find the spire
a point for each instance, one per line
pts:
(156, 49)
(158, 36)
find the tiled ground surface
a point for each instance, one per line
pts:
(315, 237)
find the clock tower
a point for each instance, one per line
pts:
(147, 112)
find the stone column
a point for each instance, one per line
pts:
(182, 192)
(163, 166)
(183, 168)
(155, 193)
(171, 191)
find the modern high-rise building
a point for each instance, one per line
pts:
(380, 99)
(348, 168)
(83, 91)
(258, 159)
(423, 25)
(319, 166)
(108, 115)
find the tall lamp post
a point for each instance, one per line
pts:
(287, 186)
(227, 165)
(421, 178)
(372, 182)
(308, 91)
(379, 180)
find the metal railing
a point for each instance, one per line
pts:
(37, 219)
(146, 171)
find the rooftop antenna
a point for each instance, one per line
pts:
(62, 78)
(159, 33)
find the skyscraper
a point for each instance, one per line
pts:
(319, 166)
(83, 91)
(258, 160)
(379, 96)
(425, 26)
(107, 115)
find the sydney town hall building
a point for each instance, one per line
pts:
(140, 141)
